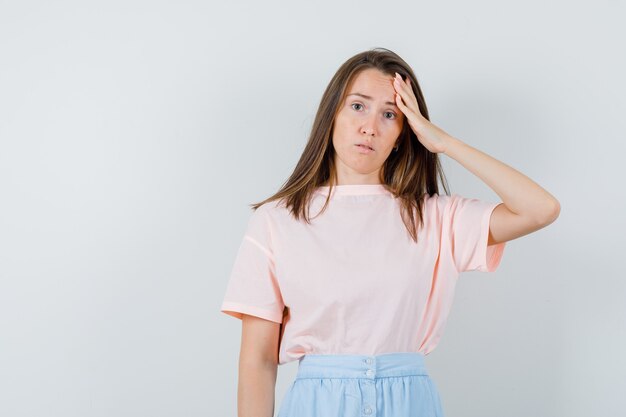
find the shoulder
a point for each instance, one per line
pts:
(446, 202)
(445, 208)
(438, 203)
(268, 213)
(270, 209)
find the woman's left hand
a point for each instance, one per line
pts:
(432, 137)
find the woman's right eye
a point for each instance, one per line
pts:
(355, 104)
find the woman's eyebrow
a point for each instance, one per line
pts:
(369, 98)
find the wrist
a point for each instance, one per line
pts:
(450, 143)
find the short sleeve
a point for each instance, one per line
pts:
(467, 220)
(252, 287)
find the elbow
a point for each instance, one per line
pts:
(550, 213)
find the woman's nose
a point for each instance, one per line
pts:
(369, 128)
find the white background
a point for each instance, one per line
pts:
(134, 134)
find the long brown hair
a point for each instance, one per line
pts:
(409, 173)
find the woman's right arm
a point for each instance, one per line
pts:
(258, 366)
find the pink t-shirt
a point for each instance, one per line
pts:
(353, 281)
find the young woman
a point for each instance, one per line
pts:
(350, 268)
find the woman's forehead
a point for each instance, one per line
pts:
(373, 85)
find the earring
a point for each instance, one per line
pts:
(395, 148)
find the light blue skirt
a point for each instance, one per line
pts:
(385, 385)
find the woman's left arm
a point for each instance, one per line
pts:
(526, 206)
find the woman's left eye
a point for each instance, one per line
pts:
(392, 113)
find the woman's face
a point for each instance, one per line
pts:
(368, 117)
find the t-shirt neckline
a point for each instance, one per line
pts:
(354, 189)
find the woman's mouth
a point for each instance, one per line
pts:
(364, 148)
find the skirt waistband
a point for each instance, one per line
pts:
(361, 366)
